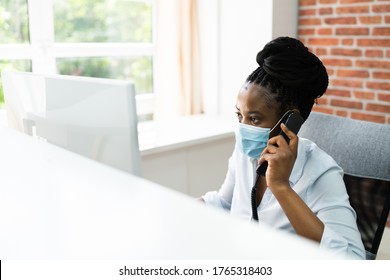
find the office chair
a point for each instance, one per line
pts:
(362, 149)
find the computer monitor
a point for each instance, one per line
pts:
(93, 117)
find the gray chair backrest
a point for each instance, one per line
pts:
(361, 148)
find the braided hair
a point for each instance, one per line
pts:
(295, 76)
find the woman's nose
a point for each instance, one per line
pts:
(245, 121)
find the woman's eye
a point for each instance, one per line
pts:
(239, 116)
(254, 119)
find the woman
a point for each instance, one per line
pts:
(303, 189)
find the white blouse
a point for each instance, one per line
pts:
(315, 177)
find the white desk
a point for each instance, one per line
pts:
(55, 204)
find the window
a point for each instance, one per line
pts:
(96, 38)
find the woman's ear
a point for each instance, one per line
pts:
(296, 110)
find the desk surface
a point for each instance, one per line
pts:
(55, 204)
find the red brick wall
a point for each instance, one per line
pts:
(352, 38)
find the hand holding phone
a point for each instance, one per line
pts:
(293, 121)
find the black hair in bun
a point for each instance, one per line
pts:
(293, 74)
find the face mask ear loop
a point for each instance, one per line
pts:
(281, 119)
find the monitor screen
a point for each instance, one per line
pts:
(93, 117)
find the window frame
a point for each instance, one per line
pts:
(43, 50)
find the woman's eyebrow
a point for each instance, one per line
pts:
(251, 112)
(255, 112)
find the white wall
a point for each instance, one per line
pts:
(209, 41)
(232, 33)
(194, 169)
(285, 18)
(245, 26)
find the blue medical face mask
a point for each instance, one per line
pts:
(252, 140)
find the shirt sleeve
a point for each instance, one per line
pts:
(223, 197)
(331, 204)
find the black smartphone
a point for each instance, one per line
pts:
(293, 120)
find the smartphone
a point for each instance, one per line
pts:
(293, 120)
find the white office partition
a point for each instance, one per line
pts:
(93, 117)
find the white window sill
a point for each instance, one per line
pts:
(161, 136)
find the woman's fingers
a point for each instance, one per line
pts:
(293, 138)
(279, 148)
